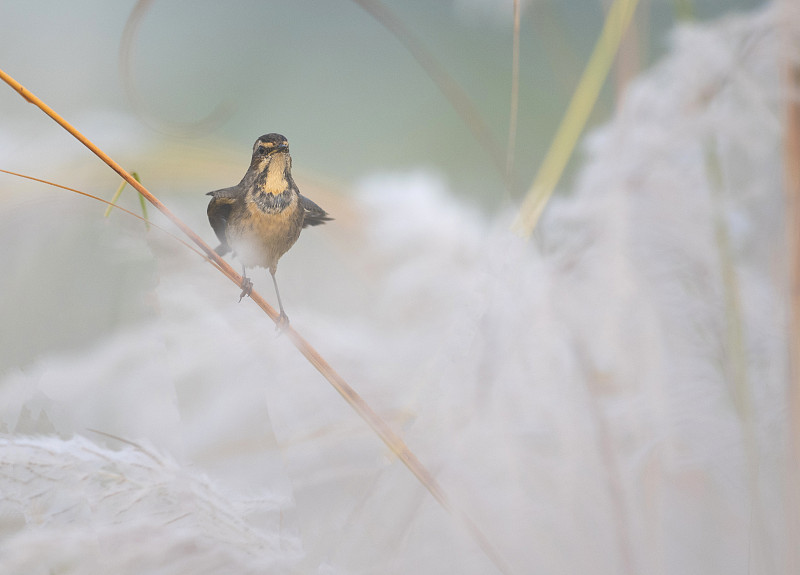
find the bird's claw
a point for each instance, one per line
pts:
(282, 323)
(247, 288)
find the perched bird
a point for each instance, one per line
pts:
(260, 218)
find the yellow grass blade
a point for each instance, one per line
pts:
(583, 100)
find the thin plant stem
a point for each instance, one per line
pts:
(447, 85)
(380, 427)
(628, 58)
(114, 198)
(684, 9)
(734, 337)
(605, 450)
(791, 183)
(112, 205)
(735, 348)
(580, 106)
(142, 204)
(514, 106)
(118, 193)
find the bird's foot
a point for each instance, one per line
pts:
(282, 323)
(247, 288)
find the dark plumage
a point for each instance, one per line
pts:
(261, 217)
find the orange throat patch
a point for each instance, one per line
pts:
(275, 182)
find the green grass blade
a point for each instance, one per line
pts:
(142, 201)
(114, 199)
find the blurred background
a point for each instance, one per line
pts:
(607, 396)
(202, 81)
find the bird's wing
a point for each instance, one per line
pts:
(231, 192)
(314, 215)
(219, 210)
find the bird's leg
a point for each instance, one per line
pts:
(283, 319)
(247, 285)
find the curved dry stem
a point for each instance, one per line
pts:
(350, 395)
(112, 205)
(216, 117)
(447, 85)
(514, 107)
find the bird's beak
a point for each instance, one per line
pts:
(282, 148)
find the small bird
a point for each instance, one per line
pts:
(261, 217)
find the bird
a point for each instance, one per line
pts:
(262, 216)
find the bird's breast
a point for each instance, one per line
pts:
(260, 237)
(269, 202)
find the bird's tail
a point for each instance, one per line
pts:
(314, 215)
(315, 220)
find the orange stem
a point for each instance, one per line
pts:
(380, 427)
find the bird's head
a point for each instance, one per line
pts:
(270, 144)
(271, 151)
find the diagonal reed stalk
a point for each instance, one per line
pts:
(583, 100)
(380, 427)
